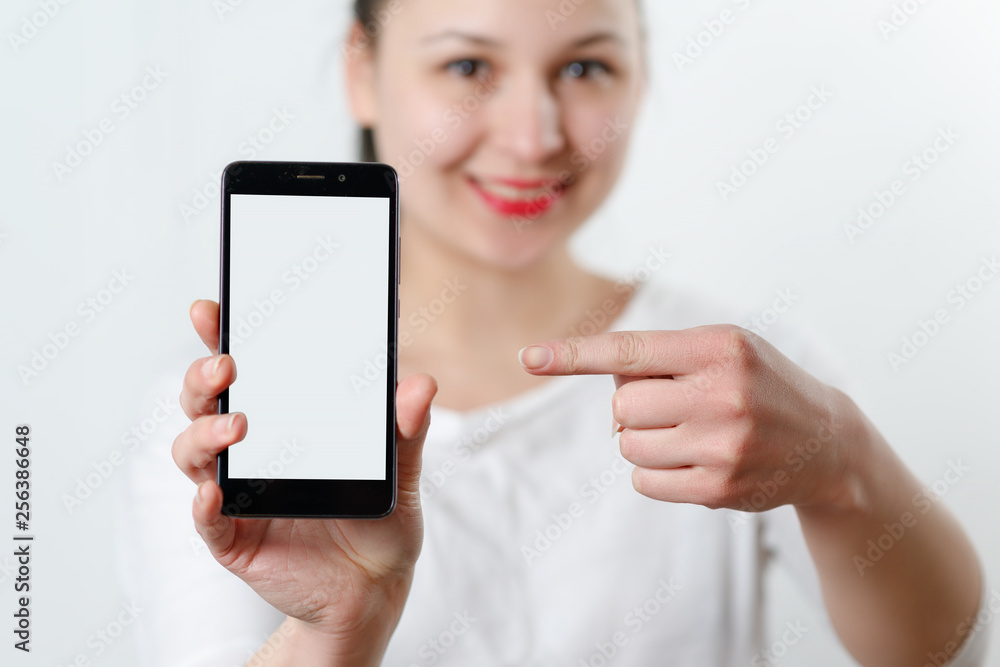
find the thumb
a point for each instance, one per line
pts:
(413, 417)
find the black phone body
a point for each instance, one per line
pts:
(308, 296)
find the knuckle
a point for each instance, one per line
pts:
(191, 393)
(209, 532)
(740, 349)
(203, 459)
(724, 491)
(735, 405)
(191, 406)
(188, 450)
(571, 354)
(630, 350)
(735, 453)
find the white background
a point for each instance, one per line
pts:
(229, 76)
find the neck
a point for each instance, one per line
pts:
(462, 320)
(450, 301)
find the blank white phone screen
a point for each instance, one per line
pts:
(309, 302)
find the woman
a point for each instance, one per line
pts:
(508, 121)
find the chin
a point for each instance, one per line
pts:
(520, 245)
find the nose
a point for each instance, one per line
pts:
(527, 120)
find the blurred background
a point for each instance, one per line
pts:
(841, 155)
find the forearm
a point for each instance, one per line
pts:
(899, 576)
(296, 644)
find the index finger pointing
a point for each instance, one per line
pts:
(633, 353)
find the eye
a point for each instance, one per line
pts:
(467, 67)
(585, 69)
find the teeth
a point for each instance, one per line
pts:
(516, 194)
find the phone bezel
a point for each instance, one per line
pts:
(311, 498)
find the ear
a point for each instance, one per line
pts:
(359, 75)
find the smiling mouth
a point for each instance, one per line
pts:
(515, 197)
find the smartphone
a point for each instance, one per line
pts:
(308, 297)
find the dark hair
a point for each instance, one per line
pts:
(364, 13)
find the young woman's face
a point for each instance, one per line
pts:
(507, 120)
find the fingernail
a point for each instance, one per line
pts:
(211, 367)
(197, 496)
(615, 427)
(535, 357)
(225, 426)
(193, 305)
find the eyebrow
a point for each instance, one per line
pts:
(486, 41)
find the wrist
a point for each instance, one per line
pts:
(856, 454)
(361, 641)
(310, 646)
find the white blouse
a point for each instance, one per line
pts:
(537, 549)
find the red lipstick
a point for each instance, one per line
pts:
(542, 195)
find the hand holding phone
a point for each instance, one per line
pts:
(308, 294)
(326, 572)
(308, 289)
